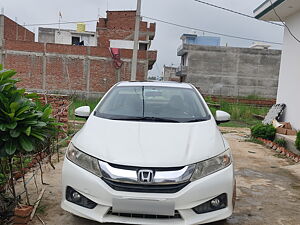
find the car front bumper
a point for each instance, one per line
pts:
(194, 194)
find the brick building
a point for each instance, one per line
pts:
(69, 69)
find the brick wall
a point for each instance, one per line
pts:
(68, 69)
(60, 105)
(14, 31)
(119, 25)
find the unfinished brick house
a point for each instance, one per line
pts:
(81, 70)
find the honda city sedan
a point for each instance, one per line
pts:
(149, 153)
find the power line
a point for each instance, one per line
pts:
(284, 24)
(212, 32)
(166, 22)
(57, 23)
(236, 12)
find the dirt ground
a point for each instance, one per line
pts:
(268, 188)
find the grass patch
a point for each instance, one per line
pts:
(254, 140)
(241, 114)
(41, 209)
(254, 97)
(239, 123)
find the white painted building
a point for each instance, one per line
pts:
(67, 37)
(289, 78)
(126, 44)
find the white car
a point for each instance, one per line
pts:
(150, 153)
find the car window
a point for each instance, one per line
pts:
(152, 103)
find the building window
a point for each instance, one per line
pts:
(143, 46)
(75, 40)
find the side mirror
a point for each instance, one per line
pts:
(83, 112)
(222, 117)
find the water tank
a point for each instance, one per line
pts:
(80, 27)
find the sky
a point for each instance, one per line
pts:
(184, 12)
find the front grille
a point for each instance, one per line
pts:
(144, 188)
(144, 216)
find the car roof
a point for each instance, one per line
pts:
(155, 84)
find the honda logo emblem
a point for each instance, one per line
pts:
(145, 176)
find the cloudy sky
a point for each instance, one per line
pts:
(184, 12)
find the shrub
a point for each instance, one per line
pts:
(298, 141)
(24, 125)
(281, 142)
(263, 131)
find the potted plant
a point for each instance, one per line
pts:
(22, 214)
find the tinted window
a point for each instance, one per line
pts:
(153, 103)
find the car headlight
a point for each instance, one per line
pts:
(212, 165)
(83, 160)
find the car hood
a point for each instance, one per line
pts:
(149, 144)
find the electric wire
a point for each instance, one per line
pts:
(284, 24)
(57, 23)
(236, 12)
(166, 22)
(212, 32)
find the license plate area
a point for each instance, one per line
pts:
(147, 207)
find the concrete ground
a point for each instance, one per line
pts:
(268, 188)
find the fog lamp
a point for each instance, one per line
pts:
(76, 196)
(214, 204)
(78, 199)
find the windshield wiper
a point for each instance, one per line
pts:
(130, 118)
(154, 119)
(159, 119)
(146, 118)
(195, 120)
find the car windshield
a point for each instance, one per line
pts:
(160, 104)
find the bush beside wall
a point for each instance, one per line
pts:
(263, 131)
(298, 141)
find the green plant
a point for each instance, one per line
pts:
(3, 179)
(297, 143)
(26, 162)
(263, 131)
(281, 142)
(24, 123)
(41, 209)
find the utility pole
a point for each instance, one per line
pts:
(136, 41)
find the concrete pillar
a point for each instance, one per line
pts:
(87, 71)
(44, 73)
(87, 74)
